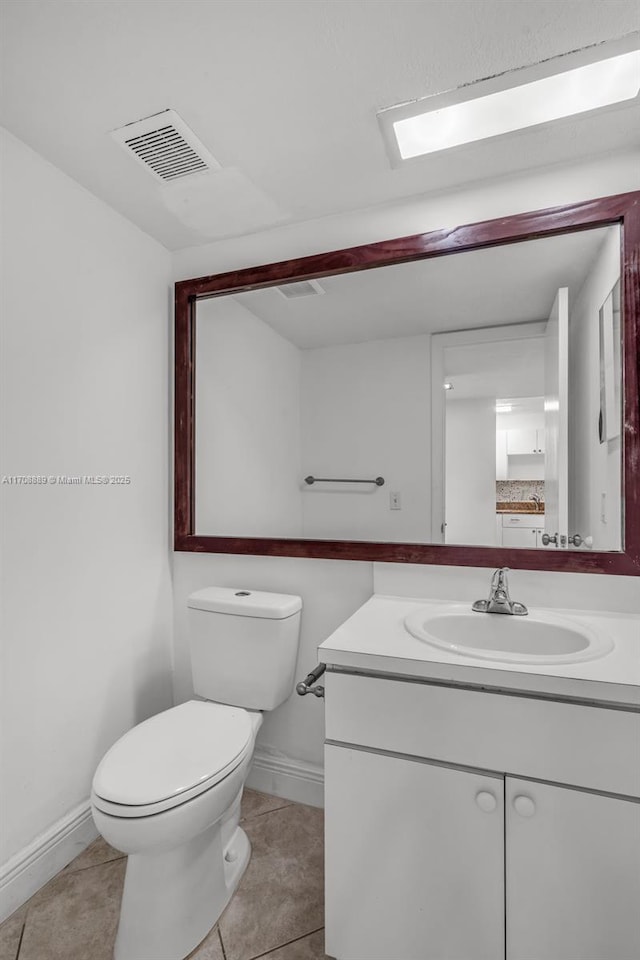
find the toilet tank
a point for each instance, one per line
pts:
(244, 645)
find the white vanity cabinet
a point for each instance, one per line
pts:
(415, 860)
(434, 793)
(522, 530)
(572, 862)
(524, 536)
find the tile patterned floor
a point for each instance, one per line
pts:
(275, 914)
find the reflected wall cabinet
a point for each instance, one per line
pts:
(525, 441)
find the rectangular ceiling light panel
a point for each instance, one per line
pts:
(565, 94)
(166, 146)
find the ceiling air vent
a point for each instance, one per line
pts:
(303, 288)
(166, 146)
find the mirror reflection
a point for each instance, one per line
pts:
(470, 399)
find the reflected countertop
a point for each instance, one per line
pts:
(519, 506)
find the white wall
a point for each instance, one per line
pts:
(86, 577)
(534, 588)
(522, 419)
(365, 413)
(247, 425)
(296, 729)
(470, 471)
(594, 468)
(268, 414)
(525, 467)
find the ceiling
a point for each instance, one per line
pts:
(285, 95)
(515, 283)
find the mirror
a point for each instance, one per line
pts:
(450, 402)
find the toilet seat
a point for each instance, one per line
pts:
(171, 758)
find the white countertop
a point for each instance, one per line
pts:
(374, 639)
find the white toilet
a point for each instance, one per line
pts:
(168, 792)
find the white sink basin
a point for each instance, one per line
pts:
(540, 637)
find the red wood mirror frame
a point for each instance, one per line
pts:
(623, 209)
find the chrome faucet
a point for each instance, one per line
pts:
(499, 600)
(537, 501)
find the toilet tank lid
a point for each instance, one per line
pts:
(241, 602)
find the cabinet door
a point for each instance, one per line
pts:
(540, 443)
(414, 859)
(573, 874)
(522, 441)
(519, 537)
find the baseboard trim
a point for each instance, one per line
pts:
(28, 871)
(281, 776)
(33, 866)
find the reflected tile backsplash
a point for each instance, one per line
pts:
(518, 490)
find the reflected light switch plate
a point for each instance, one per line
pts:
(394, 501)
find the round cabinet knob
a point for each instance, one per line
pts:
(524, 806)
(486, 801)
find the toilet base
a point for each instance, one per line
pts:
(172, 900)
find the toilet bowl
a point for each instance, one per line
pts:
(168, 792)
(168, 795)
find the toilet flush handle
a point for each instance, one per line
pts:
(307, 685)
